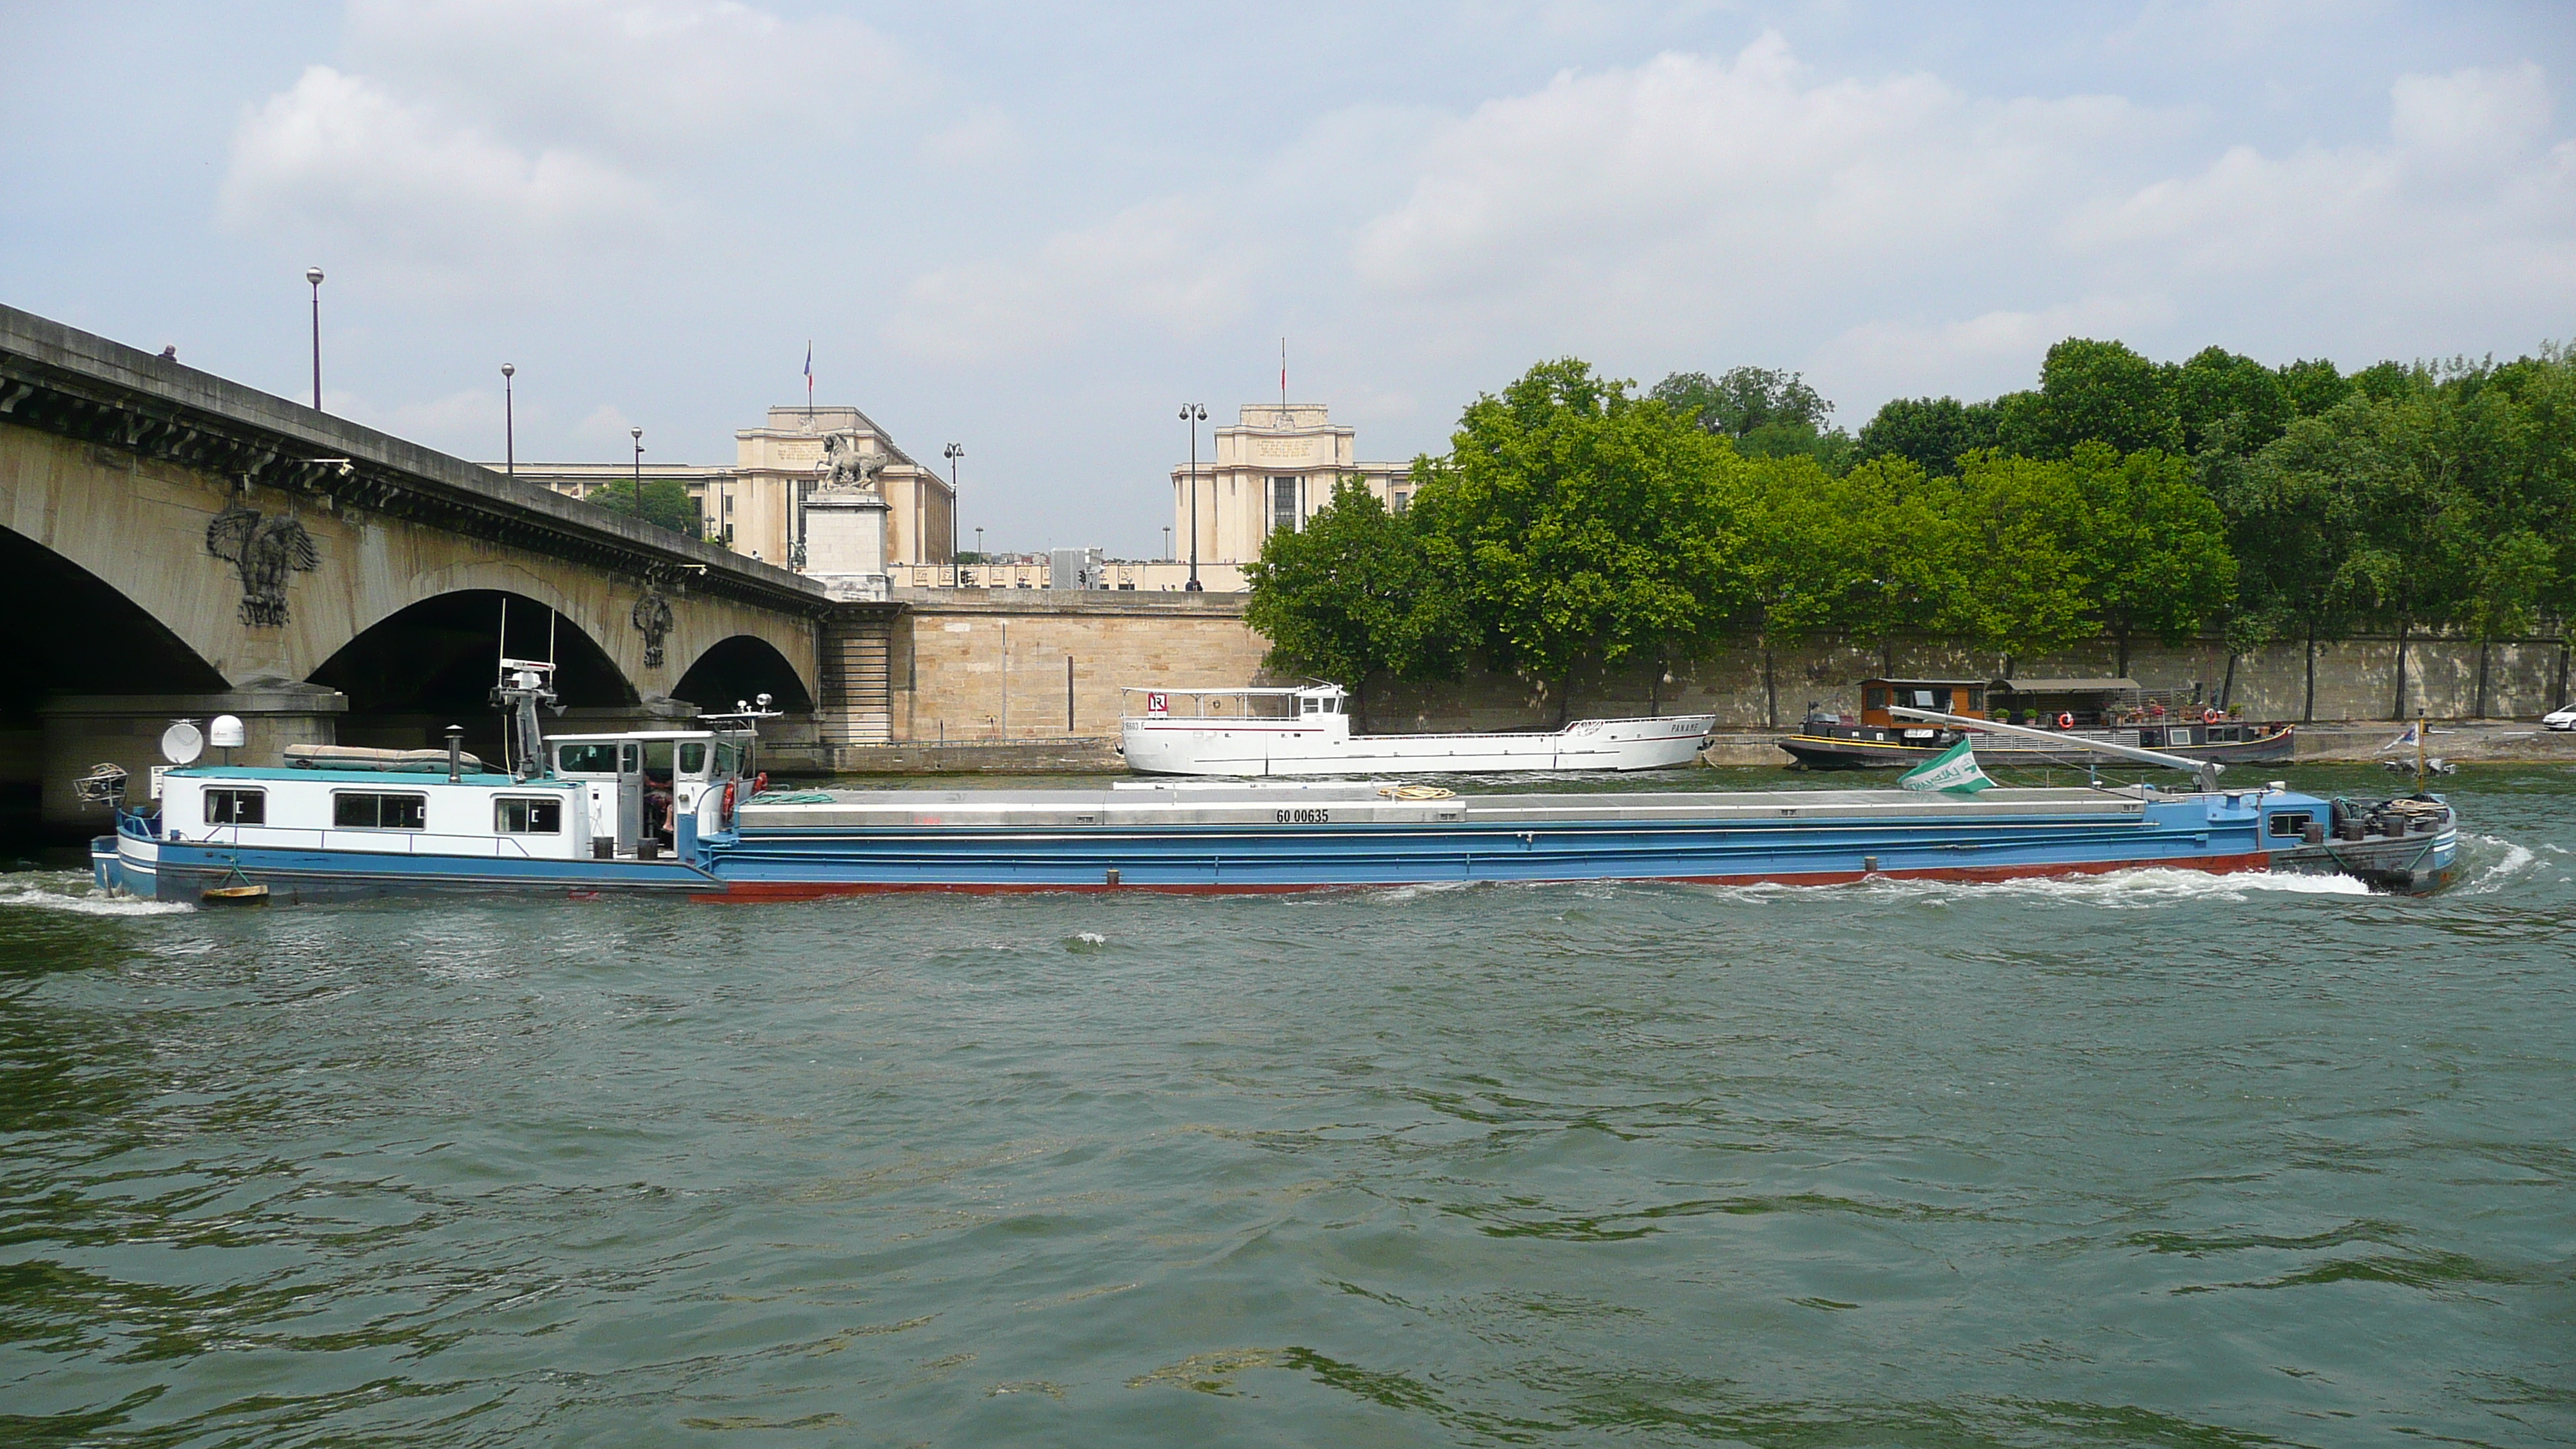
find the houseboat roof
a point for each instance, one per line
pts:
(381, 779)
(1911, 683)
(2068, 686)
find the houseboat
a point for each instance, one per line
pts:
(2070, 714)
(1307, 731)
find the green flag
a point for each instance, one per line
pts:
(1956, 771)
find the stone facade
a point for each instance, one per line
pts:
(1271, 471)
(757, 507)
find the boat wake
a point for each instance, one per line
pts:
(73, 892)
(2496, 863)
(2131, 890)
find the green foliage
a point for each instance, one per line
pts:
(2313, 386)
(1353, 594)
(2228, 400)
(2090, 391)
(664, 502)
(1582, 523)
(1929, 432)
(1573, 522)
(1745, 400)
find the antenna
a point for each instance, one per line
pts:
(1283, 379)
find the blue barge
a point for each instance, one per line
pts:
(1254, 839)
(685, 812)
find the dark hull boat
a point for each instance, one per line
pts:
(1821, 746)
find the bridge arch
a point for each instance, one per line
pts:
(742, 667)
(427, 665)
(89, 636)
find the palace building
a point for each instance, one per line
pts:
(758, 506)
(1270, 472)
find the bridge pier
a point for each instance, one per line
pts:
(82, 730)
(857, 703)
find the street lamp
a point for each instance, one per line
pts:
(635, 501)
(1194, 414)
(1167, 543)
(314, 275)
(952, 453)
(509, 421)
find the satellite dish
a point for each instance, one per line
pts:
(182, 743)
(224, 732)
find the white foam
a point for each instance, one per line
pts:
(1091, 938)
(2517, 862)
(75, 894)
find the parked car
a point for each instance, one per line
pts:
(2564, 719)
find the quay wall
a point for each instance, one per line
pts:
(975, 665)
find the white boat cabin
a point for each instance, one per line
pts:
(608, 796)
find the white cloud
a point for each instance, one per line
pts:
(503, 144)
(648, 79)
(339, 155)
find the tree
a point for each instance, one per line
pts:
(1582, 524)
(1351, 595)
(664, 502)
(2152, 543)
(2217, 387)
(1929, 432)
(2090, 391)
(1998, 560)
(2311, 387)
(1745, 400)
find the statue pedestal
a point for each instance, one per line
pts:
(845, 532)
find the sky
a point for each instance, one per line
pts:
(1035, 230)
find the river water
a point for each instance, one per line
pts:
(2148, 1159)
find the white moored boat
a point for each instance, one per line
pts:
(1307, 731)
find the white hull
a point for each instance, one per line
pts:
(1323, 745)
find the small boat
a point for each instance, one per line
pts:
(588, 815)
(2069, 713)
(1307, 731)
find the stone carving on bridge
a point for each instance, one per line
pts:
(265, 549)
(652, 618)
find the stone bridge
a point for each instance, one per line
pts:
(176, 545)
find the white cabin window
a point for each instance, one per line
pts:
(351, 809)
(522, 815)
(693, 759)
(236, 807)
(724, 759)
(1314, 706)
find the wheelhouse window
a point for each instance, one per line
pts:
(357, 810)
(528, 815)
(2289, 826)
(693, 759)
(594, 759)
(236, 807)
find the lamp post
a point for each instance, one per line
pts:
(952, 453)
(314, 275)
(509, 421)
(1167, 543)
(1194, 414)
(635, 501)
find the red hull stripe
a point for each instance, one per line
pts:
(747, 891)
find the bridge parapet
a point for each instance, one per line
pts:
(61, 380)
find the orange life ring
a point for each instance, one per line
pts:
(2211, 716)
(760, 784)
(2065, 721)
(726, 817)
